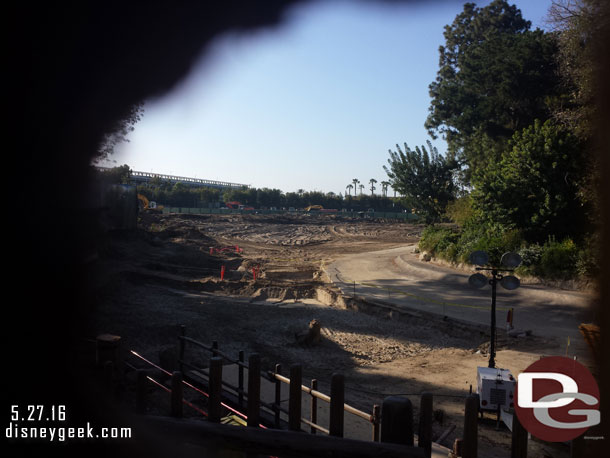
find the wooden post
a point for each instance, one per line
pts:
(215, 389)
(182, 345)
(240, 379)
(314, 406)
(518, 445)
(425, 424)
(140, 391)
(294, 403)
(278, 396)
(254, 390)
(397, 421)
(456, 452)
(376, 422)
(470, 443)
(176, 394)
(214, 348)
(337, 401)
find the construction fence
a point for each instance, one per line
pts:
(344, 214)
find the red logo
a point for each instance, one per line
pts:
(557, 399)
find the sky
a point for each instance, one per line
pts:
(309, 105)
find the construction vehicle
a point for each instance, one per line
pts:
(314, 207)
(237, 206)
(144, 204)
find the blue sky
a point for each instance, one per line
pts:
(312, 104)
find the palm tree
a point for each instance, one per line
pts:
(355, 181)
(349, 188)
(372, 181)
(384, 188)
(361, 187)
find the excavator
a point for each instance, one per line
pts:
(146, 205)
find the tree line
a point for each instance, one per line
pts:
(517, 109)
(183, 195)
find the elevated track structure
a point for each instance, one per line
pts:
(145, 177)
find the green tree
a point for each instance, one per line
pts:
(117, 175)
(495, 77)
(424, 178)
(534, 188)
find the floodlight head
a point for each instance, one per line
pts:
(479, 258)
(511, 260)
(477, 280)
(510, 282)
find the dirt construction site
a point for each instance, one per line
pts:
(391, 322)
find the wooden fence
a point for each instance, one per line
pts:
(391, 423)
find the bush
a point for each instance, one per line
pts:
(440, 242)
(587, 264)
(558, 259)
(460, 210)
(554, 260)
(530, 255)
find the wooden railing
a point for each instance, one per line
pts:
(392, 423)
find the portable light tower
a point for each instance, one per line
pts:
(494, 386)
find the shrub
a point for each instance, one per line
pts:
(440, 241)
(558, 259)
(460, 210)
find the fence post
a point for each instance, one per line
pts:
(176, 394)
(337, 402)
(240, 379)
(215, 389)
(518, 443)
(294, 403)
(376, 421)
(470, 443)
(278, 395)
(314, 406)
(140, 391)
(397, 421)
(182, 346)
(425, 424)
(254, 389)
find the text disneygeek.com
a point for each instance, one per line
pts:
(31, 423)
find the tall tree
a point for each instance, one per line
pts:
(372, 181)
(356, 182)
(579, 25)
(349, 188)
(384, 188)
(583, 48)
(534, 188)
(495, 77)
(424, 178)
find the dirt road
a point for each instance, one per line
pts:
(398, 276)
